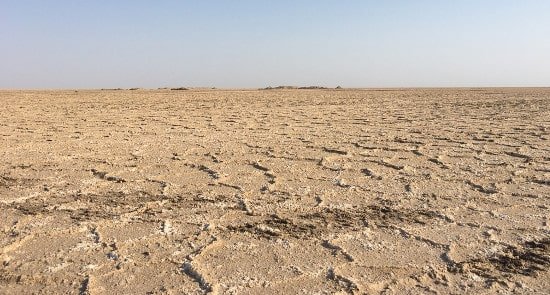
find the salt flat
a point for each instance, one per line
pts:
(275, 191)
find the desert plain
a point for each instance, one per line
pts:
(349, 191)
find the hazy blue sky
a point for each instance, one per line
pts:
(254, 43)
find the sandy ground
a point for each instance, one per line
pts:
(280, 191)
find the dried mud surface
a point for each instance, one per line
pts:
(284, 191)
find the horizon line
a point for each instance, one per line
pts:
(268, 88)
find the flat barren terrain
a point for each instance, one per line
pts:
(277, 191)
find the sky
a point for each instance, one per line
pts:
(66, 44)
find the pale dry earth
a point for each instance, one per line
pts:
(275, 192)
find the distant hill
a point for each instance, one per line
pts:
(294, 87)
